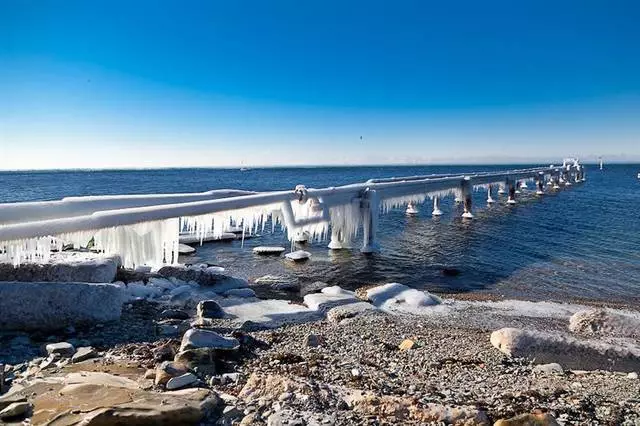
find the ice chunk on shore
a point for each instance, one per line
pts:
(328, 298)
(269, 313)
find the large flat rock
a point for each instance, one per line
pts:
(55, 305)
(98, 270)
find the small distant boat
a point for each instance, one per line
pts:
(244, 169)
(600, 163)
(638, 175)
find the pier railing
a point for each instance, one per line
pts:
(144, 229)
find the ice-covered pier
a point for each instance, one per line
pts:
(145, 229)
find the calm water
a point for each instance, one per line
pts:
(579, 243)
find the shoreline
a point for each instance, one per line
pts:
(379, 355)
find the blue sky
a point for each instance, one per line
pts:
(208, 83)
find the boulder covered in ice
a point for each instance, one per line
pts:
(55, 305)
(400, 298)
(567, 351)
(605, 322)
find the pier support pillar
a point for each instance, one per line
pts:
(412, 210)
(465, 191)
(370, 210)
(490, 199)
(540, 184)
(338, 240)
(512, 192)
(436, 207)
(501, 190)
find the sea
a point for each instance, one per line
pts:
(581, 243)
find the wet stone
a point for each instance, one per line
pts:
(209, 309)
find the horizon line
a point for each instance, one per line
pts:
(310, 166)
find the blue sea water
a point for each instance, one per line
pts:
(580, 243)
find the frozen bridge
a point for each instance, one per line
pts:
(144, 229)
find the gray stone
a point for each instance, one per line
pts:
(83, 354)
(313, 340)
(209, 309)
(196, 338)
(174, 314)
(64, 349)
(16, 409)
(203, 276)
(351, 310)
(167, 370)
(10, 398)
(551, 368)
(196, 357)
(55, 305)
(240, 292)
(314, 287)
(298, 256)
(231, 414)
(182, 381)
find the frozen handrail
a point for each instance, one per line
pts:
(124, 223)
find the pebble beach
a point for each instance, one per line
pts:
(214, 353)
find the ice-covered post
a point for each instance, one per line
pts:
(370, 209)
(436, 207)
(566, 176)
(489, 198)
(540, 184)
(339, 240)
(465, 192)
(501, 190)
(412, 209)
(511, 184)
(556, 180)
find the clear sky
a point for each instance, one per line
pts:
(224, 83)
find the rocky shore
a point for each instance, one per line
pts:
(195, 346)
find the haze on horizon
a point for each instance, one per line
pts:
(151, 84)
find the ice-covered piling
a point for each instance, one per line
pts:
(465, 190)
(540, 184)
(436, 207)
(370, 211)
(490, 199)
(512, 191)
